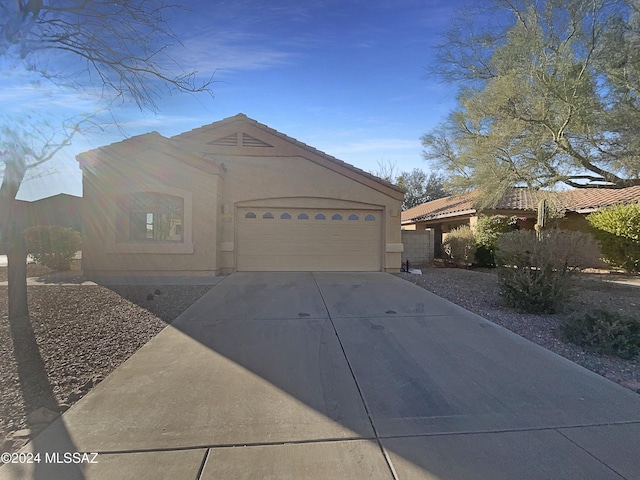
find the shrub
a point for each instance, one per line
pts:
(534, 273)
(487, 231)
(618, 230)
(607, 333)
(460, 245)
(53, 246)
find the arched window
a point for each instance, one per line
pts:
(285, 216)
(249, 215)
(353, 216)
(303, 216)
(320, 216)
(267, 215)
(336, 216)
(369, 218)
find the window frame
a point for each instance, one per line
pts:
(113, 244)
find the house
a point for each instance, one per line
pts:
(234, 195)
(62, 209)
(445, 214)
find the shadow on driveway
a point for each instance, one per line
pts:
(338, 375)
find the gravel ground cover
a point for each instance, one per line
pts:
(76, 336)
(477, 291)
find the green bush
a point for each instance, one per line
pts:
(460, 245)
(53, 246)
(535, 273)
(487, 231)
(618, 230)
(607, 333)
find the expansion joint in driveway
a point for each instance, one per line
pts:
(592, 455)
(355, 380)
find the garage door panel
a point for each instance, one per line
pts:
(276, 244)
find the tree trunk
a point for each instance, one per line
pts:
(17, 273)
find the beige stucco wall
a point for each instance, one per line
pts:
(105, 180)
(286, 175)
(282, 174)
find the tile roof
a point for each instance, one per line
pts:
(585, 200)
(441, 208)
(582, 200)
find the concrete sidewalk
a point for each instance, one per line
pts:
(342, 375)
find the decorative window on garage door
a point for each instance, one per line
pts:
(149, 217)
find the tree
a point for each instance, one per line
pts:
(549, 92)
(420, 187)
(120, 49)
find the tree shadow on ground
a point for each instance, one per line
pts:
(166, 302)
(36, 388)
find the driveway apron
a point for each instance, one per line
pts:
(342, 375)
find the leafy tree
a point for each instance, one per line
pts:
(114, 51)
(549, 92)
(420, 187)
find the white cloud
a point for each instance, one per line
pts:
(209, 52)
(375, 145)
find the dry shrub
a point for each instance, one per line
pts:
(606, 333)
(460, 245)
(535, 272)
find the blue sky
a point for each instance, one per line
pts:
(347, 77)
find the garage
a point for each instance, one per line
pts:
(308, 239)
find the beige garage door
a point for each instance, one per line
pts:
(308, 240)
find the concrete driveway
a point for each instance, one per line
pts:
(342, 375)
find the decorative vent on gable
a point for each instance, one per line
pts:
(249, 141)
(228, 141)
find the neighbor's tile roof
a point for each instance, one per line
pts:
(579, 200)
(442, 207)
(517, 199)
(588, 199)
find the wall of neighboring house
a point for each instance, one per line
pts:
(574, 221)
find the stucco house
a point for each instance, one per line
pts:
(445, 214)
(234, 195)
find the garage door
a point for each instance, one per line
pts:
(308, 240)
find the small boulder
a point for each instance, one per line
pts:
(22, 433)
(42, 415)
(74, 397)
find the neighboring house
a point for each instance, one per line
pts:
(234, 195)
(62, 209)
(445, 214)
